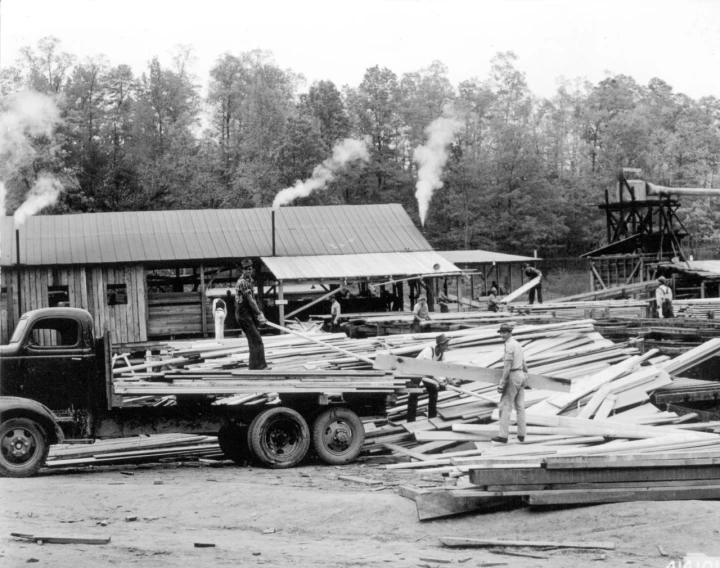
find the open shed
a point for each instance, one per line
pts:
(144, 275)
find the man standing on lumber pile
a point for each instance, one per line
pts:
(663, 299)
(335, 312)
(249, 316)
(493, 300)
(432, 385)
(531, 272)
(512, 386)
(420, 313)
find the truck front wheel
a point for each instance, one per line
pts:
(338, 436)
(279, 437)
(23, 447)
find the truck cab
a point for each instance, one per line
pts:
(52, 359)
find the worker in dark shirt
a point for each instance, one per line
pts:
(249, 316)
(532, 273)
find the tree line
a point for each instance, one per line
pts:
(524, 172)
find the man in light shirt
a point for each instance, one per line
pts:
(512, 386)
(432, 385)
(663, 299)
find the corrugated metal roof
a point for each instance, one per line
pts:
(482, 256)
(371, 265)
(208, 234)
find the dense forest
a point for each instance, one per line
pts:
(523, 173)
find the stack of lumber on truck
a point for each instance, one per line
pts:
(134, 450)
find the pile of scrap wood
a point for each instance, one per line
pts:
(672, 336)
(605, 413)
(138, 449)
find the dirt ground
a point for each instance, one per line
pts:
(308, 517)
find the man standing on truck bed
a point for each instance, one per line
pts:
(249, 316)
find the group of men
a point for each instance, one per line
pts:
(511, 386)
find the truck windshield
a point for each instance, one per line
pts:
(19, 330)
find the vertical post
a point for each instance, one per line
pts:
(272, 217)
(281, 304)
(459, 294)
(472, 291)
(19, 273)
(203, 301)
(702, 289)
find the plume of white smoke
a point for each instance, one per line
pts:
(25, 115)
(3, 191)
(348, 150)
(431, 158)
(45, 192)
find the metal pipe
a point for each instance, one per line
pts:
(653, 189)
(273, 231)
(19, 287)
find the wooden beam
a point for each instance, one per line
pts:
(458, 542)
(520, 291)
(411, 366)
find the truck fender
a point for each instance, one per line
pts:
(17, 407)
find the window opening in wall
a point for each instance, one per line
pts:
(58, 296)
(116, 294)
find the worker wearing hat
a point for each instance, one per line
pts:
(433, 385)
(420, 314)
(531, 272)
(512, 386)
(664, 299)
(249, 316)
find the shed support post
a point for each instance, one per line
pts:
(203, 301)
(281, 303)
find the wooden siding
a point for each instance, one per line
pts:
(87, 289)
(178, 313)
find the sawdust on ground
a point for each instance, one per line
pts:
(308, 517)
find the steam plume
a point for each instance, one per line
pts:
(45, 192)
(2, 199)
(431, 159)
(346, 151)
(26, 115)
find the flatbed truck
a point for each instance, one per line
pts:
(57, 385)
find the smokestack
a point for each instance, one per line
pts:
(19, 288)
(273, 231)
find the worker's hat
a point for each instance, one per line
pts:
(505, 328)
(246, 263)
(662, 280)
(442, 339)
(421, 298)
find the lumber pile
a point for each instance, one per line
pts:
(134, 450)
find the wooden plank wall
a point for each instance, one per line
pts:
(175, 313)
(87, 289)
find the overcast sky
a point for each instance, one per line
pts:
(678, 41)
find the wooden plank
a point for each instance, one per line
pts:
(411, 366)
(520, 291)
(459, 542)
(407, 452)
(440, 504)
(525, 476)
(628, 460)
(614, 496)
(509, 490)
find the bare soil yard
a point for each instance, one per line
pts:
(308, 517)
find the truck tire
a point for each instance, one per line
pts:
(279, 437)
(338, 436)
(233, 440)
(23, 447)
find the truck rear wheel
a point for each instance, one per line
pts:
(279, 437)
(233, 440)
(338, 436)
(23, 447)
